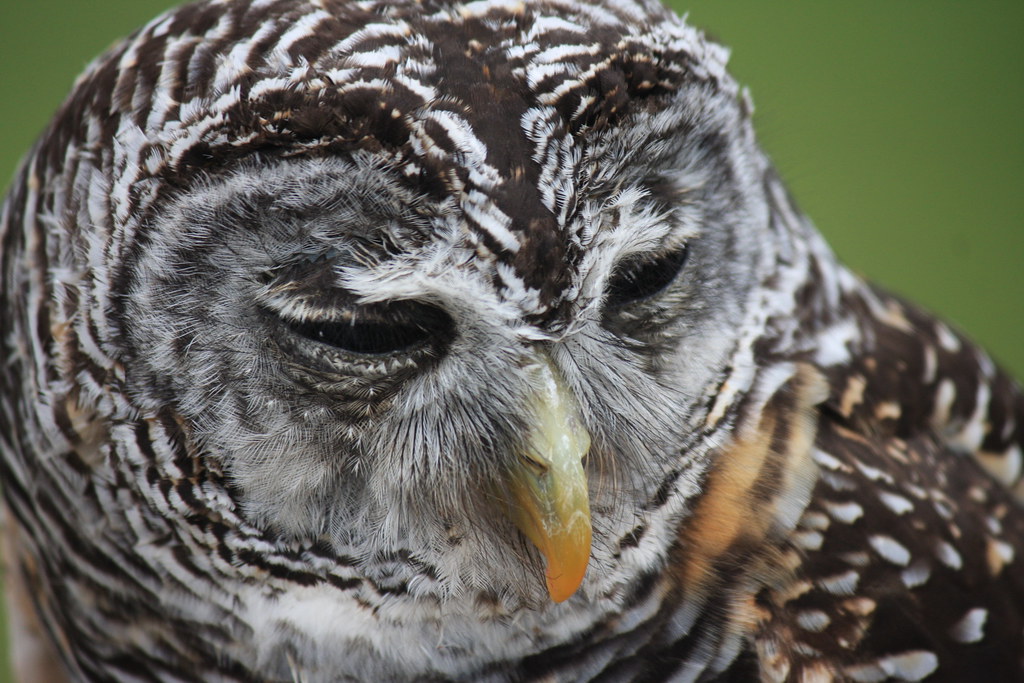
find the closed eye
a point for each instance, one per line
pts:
(637, 279)
(379, 329)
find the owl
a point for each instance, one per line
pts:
(440, 340)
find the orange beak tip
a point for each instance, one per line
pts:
(565, 574)
(564, 586)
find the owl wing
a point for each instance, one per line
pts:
(911, 549)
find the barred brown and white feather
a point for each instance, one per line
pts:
(277, 283)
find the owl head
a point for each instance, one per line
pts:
(467, 287)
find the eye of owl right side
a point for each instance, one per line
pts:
(379, 329)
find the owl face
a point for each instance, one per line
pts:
(461, 294)
(356, 343)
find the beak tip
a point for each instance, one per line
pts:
(565, 574)
(563, 587)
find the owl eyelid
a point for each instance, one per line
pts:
(378, 329)
(637, 279)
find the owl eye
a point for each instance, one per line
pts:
(639, 279)
(379, 329)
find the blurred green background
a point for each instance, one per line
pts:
(899, 127)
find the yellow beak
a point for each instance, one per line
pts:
(550, 502)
